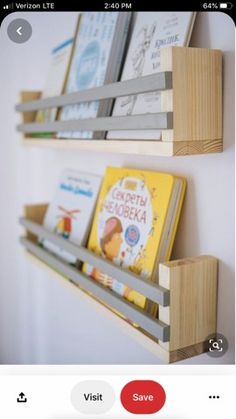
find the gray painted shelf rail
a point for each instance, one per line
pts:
(145, 84)
(156, 293)
(155, 82)
(161, 120)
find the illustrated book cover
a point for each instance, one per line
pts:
(134, 225)
(152, 31)
(55, 82)
(97, 58)
(70, 212)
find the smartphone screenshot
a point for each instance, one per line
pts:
(117, 216)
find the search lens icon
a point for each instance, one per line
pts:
(216, 345)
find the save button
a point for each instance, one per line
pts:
(143, 397)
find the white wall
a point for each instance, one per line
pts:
(41, 319)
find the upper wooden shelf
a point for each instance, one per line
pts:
(139, 147)
(190, 117)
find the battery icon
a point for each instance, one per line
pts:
(226, 6)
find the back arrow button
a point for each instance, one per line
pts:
(19, 30)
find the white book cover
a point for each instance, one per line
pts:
(96, 60)
(152, 31)
(60, 59)
(70, 213)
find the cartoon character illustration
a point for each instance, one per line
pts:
(110, 245)
(64, 225)
(138, 60)
(111, 239)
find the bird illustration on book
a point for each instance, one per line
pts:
(139, 262)
(153, 193)
(64, 225)
(143, 182)
(154, 220)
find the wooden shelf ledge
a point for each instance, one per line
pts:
(134, 147)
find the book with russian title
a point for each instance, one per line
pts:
(151, 32)
(134, 226)
(70, 212)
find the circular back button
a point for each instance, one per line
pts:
(143, 397)
(19, 30)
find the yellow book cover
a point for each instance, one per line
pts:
(134, 224)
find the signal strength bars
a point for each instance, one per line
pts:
(9, 6)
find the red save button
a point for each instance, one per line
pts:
(143, 397)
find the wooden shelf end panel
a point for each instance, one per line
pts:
(193, 300)
(197, 92)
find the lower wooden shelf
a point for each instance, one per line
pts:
(145, 147)
(186, 293)
(132, 332)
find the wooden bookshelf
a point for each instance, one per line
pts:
(186, 292)
(190, 121)
(190, 118)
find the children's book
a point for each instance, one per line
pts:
(152, 31)
(97, 58)
(60, 60)
(69, 214)
(134, 226)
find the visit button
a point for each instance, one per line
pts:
(143, 397)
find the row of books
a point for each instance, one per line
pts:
(129, 217)
(107, 47)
